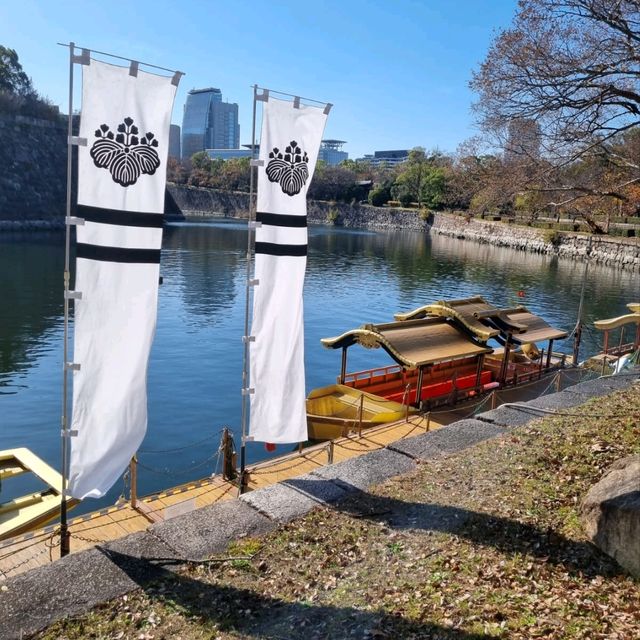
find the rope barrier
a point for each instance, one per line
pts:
(187, 446)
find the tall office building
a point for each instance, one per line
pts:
(174, 142)
(331, 152)
(209, 123)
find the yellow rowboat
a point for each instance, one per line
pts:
(337, 410)
(34, 510)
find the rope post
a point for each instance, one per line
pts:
(493, 399)
(330, 452)
(228, 456)
(558, 386)
(405, 400)
(360, 416)
(133, 474)
(428, 425)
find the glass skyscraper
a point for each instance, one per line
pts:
(209, 123)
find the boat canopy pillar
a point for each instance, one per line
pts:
(479, 371)
(505, 361)
(343, 368)
(548, 363)
(419, 386)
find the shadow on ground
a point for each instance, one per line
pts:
(507, 536)
(257, 616)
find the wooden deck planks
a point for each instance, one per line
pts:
(32, 550)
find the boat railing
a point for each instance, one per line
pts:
(380, 374)
(619, 350)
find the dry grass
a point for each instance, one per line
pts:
(483, 544)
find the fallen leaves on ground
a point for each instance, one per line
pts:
(483, 544)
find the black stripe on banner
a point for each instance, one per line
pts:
(117, 254)
(122, 218)
(271, 249)
(280, 220)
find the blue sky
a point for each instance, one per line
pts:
(397, 71)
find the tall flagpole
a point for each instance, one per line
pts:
(249, 282)
(64, 530)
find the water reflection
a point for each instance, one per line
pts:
(31, 301)
(194, 382)
(205, 263)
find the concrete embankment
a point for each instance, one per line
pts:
(619, 252)
(79, 582)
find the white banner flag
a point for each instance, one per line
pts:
(121, 181)
(289, 149)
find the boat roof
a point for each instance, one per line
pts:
(536, 329)
(413, 343)
(628, 318)
(461, 310)
(485, 321)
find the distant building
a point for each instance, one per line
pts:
(228, 154)
(209, 123)
(396, 156)
(524, 140)
(331, 152)
(174, 142)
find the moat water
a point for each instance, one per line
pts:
(195, 371)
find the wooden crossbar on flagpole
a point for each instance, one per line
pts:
(250, 282)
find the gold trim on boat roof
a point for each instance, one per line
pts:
(472, 312)
(620, 321)
(412, 343)
(634, 306)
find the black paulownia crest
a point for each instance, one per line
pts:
(125, 154)
(289, 169)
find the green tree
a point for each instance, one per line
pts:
(13, 79)
(434, 185)
(379, 195)
(201, 160)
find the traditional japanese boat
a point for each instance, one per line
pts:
(616, 350)
(443, 350)
(337, 410)
(35, 509)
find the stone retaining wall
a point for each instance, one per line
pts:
(33, 179)
(618, 252)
